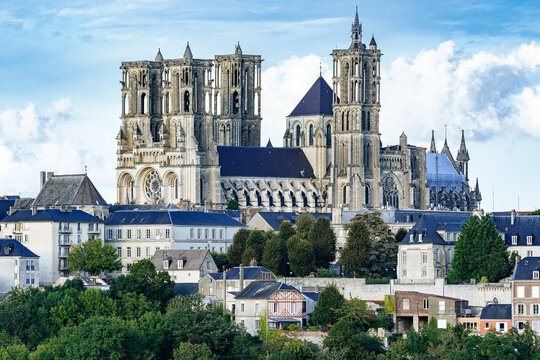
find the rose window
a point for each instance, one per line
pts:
(152, 186)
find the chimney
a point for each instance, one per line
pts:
(42, 179)
(512, 217)
(49, 175)
(34, 210)
(241, 282)
(253, 262)
(224, 290)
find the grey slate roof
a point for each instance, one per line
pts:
(185, 289)
(23, 204)
(11, 247)
(317, 101)
(193, 259)
(262, 290)
(523, 226)
(524, 269)
(429, 224)
(497, 312)
(250, 273)
(249, 161)
(172, 217)
(124, 207)
(441, 172)
(51, 215)
(274, 219)
(68, 190)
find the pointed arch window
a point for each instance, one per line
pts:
(344, 194)
(186, 101)
(143, 103)
(328, 135)
(311, 134)
(297, 139)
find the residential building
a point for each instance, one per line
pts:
(50, 233)
(265, 220)
(138, 234)
(185, 266)
(19, 267)
(281, 303)
(414, 310)
(521, 234)
(496, 317)
(526, 294)
(237, 279)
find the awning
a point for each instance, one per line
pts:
(284, 320)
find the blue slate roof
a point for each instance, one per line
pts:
(185, 289)
(51, 215)
(15, 248)
(262, 290)
(249, 161)
(441, 172)
(250, 273)
(524, 269)
(317, 101)
(497, 312)
(429, 224)
(523, 226)
(5, 204)
(172, 217)
(274, 219)
(312, 295)
(235, 214)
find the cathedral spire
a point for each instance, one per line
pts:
(187, 53)
(433, 147)
(463, 153)
(159, 57)
(356, 31)
(238, 49)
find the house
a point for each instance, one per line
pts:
(19, 267)
(415, 309)
(237, 278)
(265, 220)
(311, 300)
(185, 266)
(50, 233)
(526, 294)
(496, 317)
(521, 234)
(281, 303)
(138, 234)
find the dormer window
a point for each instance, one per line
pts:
(411, 237)
(514, 239)
(536, 275)
(420, 237)
(529, 239)
(180, 264)
(166, 264)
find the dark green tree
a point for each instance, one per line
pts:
(273, 256)
(256, 240)
(232, 204)
(250, 255)
(188, 351)
(155, 286)
(301, 257)
(303, 225)
(93, 257)
(400, 234)
(535, 212)
(356, 253)
(286, 230)
(221, 260)
(236, 250)
(323, 240)
(326, 312)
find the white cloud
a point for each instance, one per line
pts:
(528, 114)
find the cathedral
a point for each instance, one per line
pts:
(191, 134)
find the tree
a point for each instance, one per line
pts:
(535, 212)
(249, 255)
(221, 260)
(188, 351)
(328, 305)
(94, 257)
(155, 286)
(232, 204)
(400, 235)
(236, 250)
(323, 240)
(479, 252)
(273, 258)
(301, 257)
(14, 352)
(256, 240)
(355, 255)
(286, 230)
(303, 225)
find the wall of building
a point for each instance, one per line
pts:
(250, 316)
(13, 273)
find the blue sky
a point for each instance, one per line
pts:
(472, 65)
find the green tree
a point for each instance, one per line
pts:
(14, 352)
(323, 240)
(400, 235)
(256, 241)
(105, 338)
(54, 348)
(232, 204)
(286, 230)
(303, 225)
(152, 327)
(188, 351)
(327, 307)
(355, 255)
(301, 257)
(325, 273)
(221, 260)
(535, 212)
(155, 286)
(93, 257)
(236, 250)
(249, 255)
(273, 256)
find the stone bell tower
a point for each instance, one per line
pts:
(356, 105)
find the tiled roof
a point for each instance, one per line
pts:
(525, 268)
(123, 207)
(69, 190)
(311, 294)
(250, 273)
(11, 247)
(429, 224)
(497, 312)
(262, 290)
(51, 215)
(441, 172)
(172, 217)
(4, 207)
(185, 289)
(193, 259)
(317, 101)
(523, 226)
(274, 219)
(264, 162)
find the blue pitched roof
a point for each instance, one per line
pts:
(265, 162)
(524, 269)
(185, 289)
(441, 172)
(5, 204)
(429, 224)
(262, 289)
(274, 219)
(15, 248)
(250, 273)
(51, 215)
(497, 312)
(173, 217)
(523, 226)
(317, 101)
(312, 295)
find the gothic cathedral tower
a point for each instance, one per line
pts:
(356, 104)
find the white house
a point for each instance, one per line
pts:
(185, 266)
(19, 267)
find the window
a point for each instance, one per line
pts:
(536, 326)
(242, 307)
(404, 257)
(148, 233)
(148, 251)
(404, 273)
(166, 264)
(213, 233)
(520, 291)
(242, 322)
(534, 309)
(535, 291)
(138, 252)
(208, 264)
(442, 306)
(536, 275)
(405, 304)
(275, 308)
(529, 239)
(110, 234)
(180, 264)
(128, 267)
(514, 239)
(486, 325)
(167, 233)
(529, 253)
(441, 324)
(257, 324)
(257, 308)
(119, 251)
(424, 272)
(293, 308)
(420, 237)
(129, 234)
(198, 233)
(129, 252)
(119, 234)
(25, 238)
(426, 304)
(192, 233)
(520, 309)
(221, 233)
(521, 325)
(424, 258)
(78, 239)
(138, 233)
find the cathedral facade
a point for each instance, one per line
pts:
(191, 132)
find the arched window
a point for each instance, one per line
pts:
(367, 158)
(345, 194)
(201, 184)
(259, 198)
(366, 194)
(143, 102)
(248, 200)
(368, 124)
(270, 199)
(235, 102)
(342, 121)
(315, 200)
(293, 199)
(125, 105)
(347, 121)
(186, 101)
(495, 300)
(311, 134)
(297, 135)
(328, 135)
(305, 200)
(281, 199)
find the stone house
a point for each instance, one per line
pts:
(185, 266)
(19, 267)
(526, 294)
(236, 279)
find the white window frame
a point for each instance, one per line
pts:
(180, 264)
(514, 239)
(529, 239)
(442, 305)
(536, 275)
(535, 291)
(424, 257)
(405, 304)
(520, 307)
(520, 291)
(166, 264)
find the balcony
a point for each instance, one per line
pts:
(64, 230)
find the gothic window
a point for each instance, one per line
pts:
(186, 101)
(297, 135)
(347, 122)
(152, 186)
(235, 102)
(293, 200)
(390, 193)
(125, 105)
(328, 135)
(368, 125)
(248, 200)
(311, 134)
(366, 195)
(315, 200)
(143, 102)
(363, 120)
(281, 199)
(270, 199)
(367, 157)
(201, 192)
(259, 198)
(342, 121)
(305, 200)
(344, 194)
(222, 135)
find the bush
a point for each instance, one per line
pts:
(325, 273)
(377, 281)
(313, 328)
(292, 327)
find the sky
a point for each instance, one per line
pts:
(472, 65)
